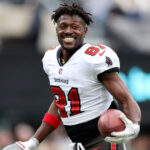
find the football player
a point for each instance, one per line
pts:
(84, 81)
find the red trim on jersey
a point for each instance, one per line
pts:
(51, 120)
(102, 47)
(52, 48)
(100, 54)
(97, 148)
(113, 146)
(21, 144)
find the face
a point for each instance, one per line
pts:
(71, 31)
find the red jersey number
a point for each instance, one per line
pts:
(61, 101)
(94, 50)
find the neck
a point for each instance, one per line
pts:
(67, 54)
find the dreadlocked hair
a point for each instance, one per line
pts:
(74, 9)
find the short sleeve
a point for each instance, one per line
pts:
(101, 59)
(108, 62)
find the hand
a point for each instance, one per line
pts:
(131, 131)
(13, 146)
(31, 144)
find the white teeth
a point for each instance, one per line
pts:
(68, 39)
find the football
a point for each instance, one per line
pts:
(110, 121)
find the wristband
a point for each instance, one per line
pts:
(51, 120)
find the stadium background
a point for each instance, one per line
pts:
(26, 32)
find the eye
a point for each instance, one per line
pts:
(75, 27)
(62, 26)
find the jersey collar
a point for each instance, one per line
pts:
(59, 55)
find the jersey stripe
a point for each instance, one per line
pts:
(113, 146)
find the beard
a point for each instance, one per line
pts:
(72, 49)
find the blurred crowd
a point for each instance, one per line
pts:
(126, 21)
(58, 140)
(23, 131)
(27, 23)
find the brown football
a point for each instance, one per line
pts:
(110, 121)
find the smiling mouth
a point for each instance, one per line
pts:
(68, 39)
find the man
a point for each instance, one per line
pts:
(84, 79)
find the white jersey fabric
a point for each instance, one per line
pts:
(79, 94)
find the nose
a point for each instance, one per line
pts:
(68, 30)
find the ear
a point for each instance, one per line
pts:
(85, 30)
(56, 28)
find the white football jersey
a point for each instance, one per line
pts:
(80, 96)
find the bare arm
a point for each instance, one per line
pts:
(119, 90)
(45, 129)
